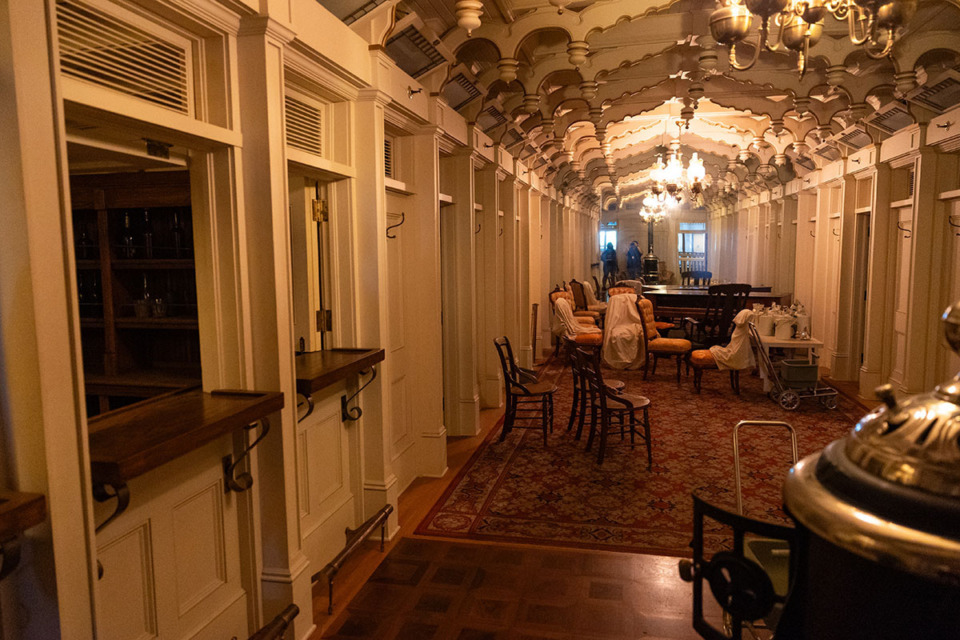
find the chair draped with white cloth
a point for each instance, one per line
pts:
(571, 327)
(623, 345)
(736, 356)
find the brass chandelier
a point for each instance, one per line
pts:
(873, 24)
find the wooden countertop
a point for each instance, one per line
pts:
(319, 369)
(130, 441)
(20, 511)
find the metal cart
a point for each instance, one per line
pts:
(795, 381)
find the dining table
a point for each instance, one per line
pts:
(687, 300)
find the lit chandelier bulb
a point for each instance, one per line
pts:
(468, 15)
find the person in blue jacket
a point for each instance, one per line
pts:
(610, 268)
(634, 260)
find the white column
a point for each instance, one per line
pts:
(490, 285)
(923, 335)
(529, 271)
(460, 390)
(285, 575)
(42, 413)
(423, 300)
(514, 314)
(379, 479)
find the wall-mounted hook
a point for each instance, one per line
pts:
(812, 234)
(905, 230)
(478, 229)
(394, 226)
(955, 226)
(945, 125)
(488, 145)
(501, 232)
(855, 160)
(836, 232)
(412, 92)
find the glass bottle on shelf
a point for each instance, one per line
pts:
(127, 248)
(83, 243)
(96, 308)
(178, 235)
(82, 293)
(147, 235)
(144, 305)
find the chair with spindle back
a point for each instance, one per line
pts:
(724, 303)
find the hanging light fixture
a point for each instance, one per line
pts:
(468, 15)
(874, 24)
(672, 177)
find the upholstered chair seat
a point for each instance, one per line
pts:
(656, 346)
(701, 360)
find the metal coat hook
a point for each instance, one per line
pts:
(350, 414)
(945, 125)
(394, 226)
(412, 92)
(812, 235)
(836, 232)
(244, 480)
(855, 160)
(478, 229)
(955, 226)
(501, 232)
(907, 231)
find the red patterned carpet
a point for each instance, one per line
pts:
(519, 491)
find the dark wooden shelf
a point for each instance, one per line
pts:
(138, 384)
(20, 511)
(154, 263)
(175, 322)
(131, 441)
(319, 369)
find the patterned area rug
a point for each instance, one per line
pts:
(520, 491)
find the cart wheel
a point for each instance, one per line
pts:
(830, 402)
(774, 395)
(789, 400)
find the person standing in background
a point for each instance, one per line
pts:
(610, 268)
(634, 260)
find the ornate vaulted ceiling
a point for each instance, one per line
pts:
(595, 92)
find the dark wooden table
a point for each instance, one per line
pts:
(319, 369)
(668, 297)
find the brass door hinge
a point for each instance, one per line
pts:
(320, 212)
(324, 320)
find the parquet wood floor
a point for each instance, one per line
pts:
(622, 595)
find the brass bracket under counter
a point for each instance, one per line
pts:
(129, 442)
(351, 414)
(243, 481)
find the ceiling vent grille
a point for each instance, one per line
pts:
(828, 152)
(304, 125)
(388, 157)
(102, 49)
(940, 95)
(460, 91)
(413, 53)
(854, 137)
(891, 118)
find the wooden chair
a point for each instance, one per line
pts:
(526, 399)
(596, 288)
(583, 313)
(578, 409)
(606, 405)
(581, 303)
(657, 347)
(696, 278)
(701, 360)
(724, 303)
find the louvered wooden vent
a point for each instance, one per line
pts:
(304, 126)
(940, 95)
(102, 49)
(388, 157)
